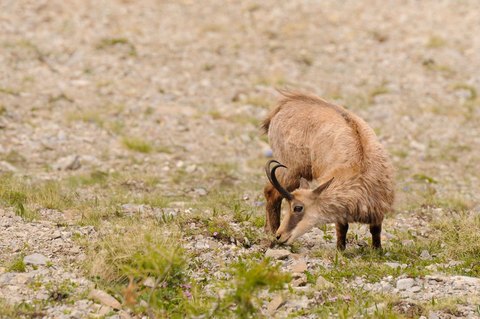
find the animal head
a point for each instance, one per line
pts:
(305, 209)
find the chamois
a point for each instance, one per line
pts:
(314, 140)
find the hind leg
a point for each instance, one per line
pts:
(376, 231)
(342, 229)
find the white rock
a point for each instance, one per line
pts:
(300, 281)
(276, 303)
(322, 283)
(425, 255)
(405, 283)
(202, 245)
(299, 267)
(35, 259)
(71, 162)
(104, 298)
(149, 282)
(415, 289)
(393, 265)
(277, 253)
(7, 167)
(301, 303)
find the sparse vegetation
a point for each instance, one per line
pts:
(17, 265)
(137, 144)
(166, 212)
(107, 43)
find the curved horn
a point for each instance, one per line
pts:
(273, 179)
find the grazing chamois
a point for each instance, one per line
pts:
(313, 140)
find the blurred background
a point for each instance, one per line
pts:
(193, 80)
(159, 103)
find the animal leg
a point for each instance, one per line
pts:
(273, 206)
(376, 231)
(342, 230)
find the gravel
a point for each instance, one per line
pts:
(196, 90)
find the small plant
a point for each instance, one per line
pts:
(87, 116)
(249, 278)
(137, 144)
(436, 42)
(18, 265)
(61, 291)
(380, 90)
(106, 43)
(143, 264)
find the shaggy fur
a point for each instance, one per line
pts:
(317, 140)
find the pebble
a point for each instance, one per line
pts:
(414, 289)
(149, 282)
(277, 253)
(35, 259)
(393, 265)
(276, 303)
(7, 167)
(104, 298)
(71, 162)
(299, 267)
(300, 281)
(191, 168)
(425, 255)
(268, 153)
(405, 283)
(200, 191)
(322, 283)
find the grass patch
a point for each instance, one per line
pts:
(258, 101)
(17, 265)
(20, 310)
(137, 144)
(380, 90)
(107, 43)
(472, 92)
(93, 178)
(460, 236)
(125, 259)
(15, 193)
(87, 116)
(250, 277)
(445, 70)
(350, 303)
(9, 91)
(435, 42)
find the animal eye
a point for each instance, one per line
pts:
(298, 209)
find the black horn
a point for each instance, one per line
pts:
(273, 179)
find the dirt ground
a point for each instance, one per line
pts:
(166, 98)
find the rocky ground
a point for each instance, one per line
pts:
(132, 161)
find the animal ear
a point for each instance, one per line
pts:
(324, 186)
(304, 183)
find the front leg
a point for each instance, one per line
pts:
(376, 231)
(342, 229)
(273, 207)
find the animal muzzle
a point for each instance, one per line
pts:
(282, 237)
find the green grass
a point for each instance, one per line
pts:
(9, 91)
(344, 302)
(107, 43)
(459, 233)
(17, 265)
(137, 144)
(380, 90)
(87, 116)
(436, 42)
(20, 310)
(249, 278)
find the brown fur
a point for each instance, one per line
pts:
(317, 140)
